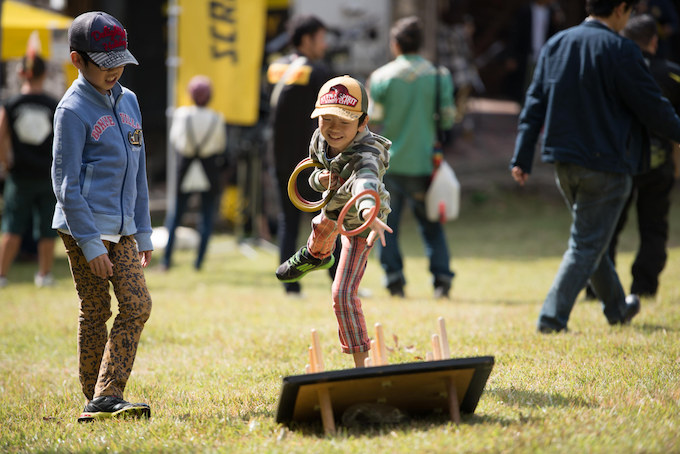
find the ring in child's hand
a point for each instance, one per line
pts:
(297, 200)
(350, 204)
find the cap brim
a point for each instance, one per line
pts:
(113, 59)
(335, 110)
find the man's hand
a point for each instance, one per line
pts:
(101, 266)
(519, 175)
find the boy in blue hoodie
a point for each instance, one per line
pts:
(102, 210)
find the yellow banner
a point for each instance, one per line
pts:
(224, 40)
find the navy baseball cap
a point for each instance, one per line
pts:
(102, 37)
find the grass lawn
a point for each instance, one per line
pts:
(218, 342)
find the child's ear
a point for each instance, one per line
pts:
(77, 60)
(363, 124)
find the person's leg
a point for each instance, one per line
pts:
(346, 304)
(15, 220)
(287, 230)
(208, 208)
(9, 248)
(390, 255)
(171, 224)
(134, 308)
(613, 243)
(436, 249)
(45, 256)
(595, 200)
(95, 310)
(653, 205)
(321, 242)
(47, 236)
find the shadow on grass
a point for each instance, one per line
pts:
(411, 425)
(649, 328)
(533, 399)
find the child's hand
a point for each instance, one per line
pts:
(378, 228)
(101, 266)
(145, 258)
(330, 180)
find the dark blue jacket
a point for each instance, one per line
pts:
(594, 96)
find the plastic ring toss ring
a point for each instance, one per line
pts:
(298, 201)
(350, 204)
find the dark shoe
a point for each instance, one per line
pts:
(632, 309)
(112, 407)
(545, 329)
(301, 263)
(396, 289)
(441, 290)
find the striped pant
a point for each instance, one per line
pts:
(346, 304)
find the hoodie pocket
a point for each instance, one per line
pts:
(87, 172)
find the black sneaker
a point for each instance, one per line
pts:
(396, 289)
(112, 407)
(294, 269)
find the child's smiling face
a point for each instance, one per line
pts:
(339, 132)
(101, 79)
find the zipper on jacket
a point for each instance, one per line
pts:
(127, 165)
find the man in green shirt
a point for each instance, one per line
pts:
(403, 94)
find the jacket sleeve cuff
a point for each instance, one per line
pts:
(93, 248)
(364, 204)
(144, 242)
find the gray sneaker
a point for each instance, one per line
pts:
(43, 280)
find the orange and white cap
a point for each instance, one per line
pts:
(343, 96)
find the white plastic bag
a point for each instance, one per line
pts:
(442, 200)
(195, 179)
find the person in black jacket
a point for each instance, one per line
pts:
(593, 99)
(295, 80)
(651, 189)
(534, 24)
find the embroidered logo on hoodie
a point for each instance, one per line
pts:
(102, 125)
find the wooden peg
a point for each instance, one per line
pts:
(436, 348)
(382, 347)
(429, 356)
(312, 359)
(326, 411)
(368, 362)
(454, 411)
(444, 339)
(374, 354)
(317, 352)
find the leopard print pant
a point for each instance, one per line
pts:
(105, 359)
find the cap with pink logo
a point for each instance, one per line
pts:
(343, 96)
(102, 37)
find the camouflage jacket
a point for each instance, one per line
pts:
(361, 166)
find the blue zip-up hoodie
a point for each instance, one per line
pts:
(99, 168)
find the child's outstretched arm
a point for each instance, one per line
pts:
(378, 228)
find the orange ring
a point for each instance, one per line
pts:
(294, 195)
(350, 204)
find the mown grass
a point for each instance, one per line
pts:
(218, 343)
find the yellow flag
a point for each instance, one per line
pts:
(224, 40)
